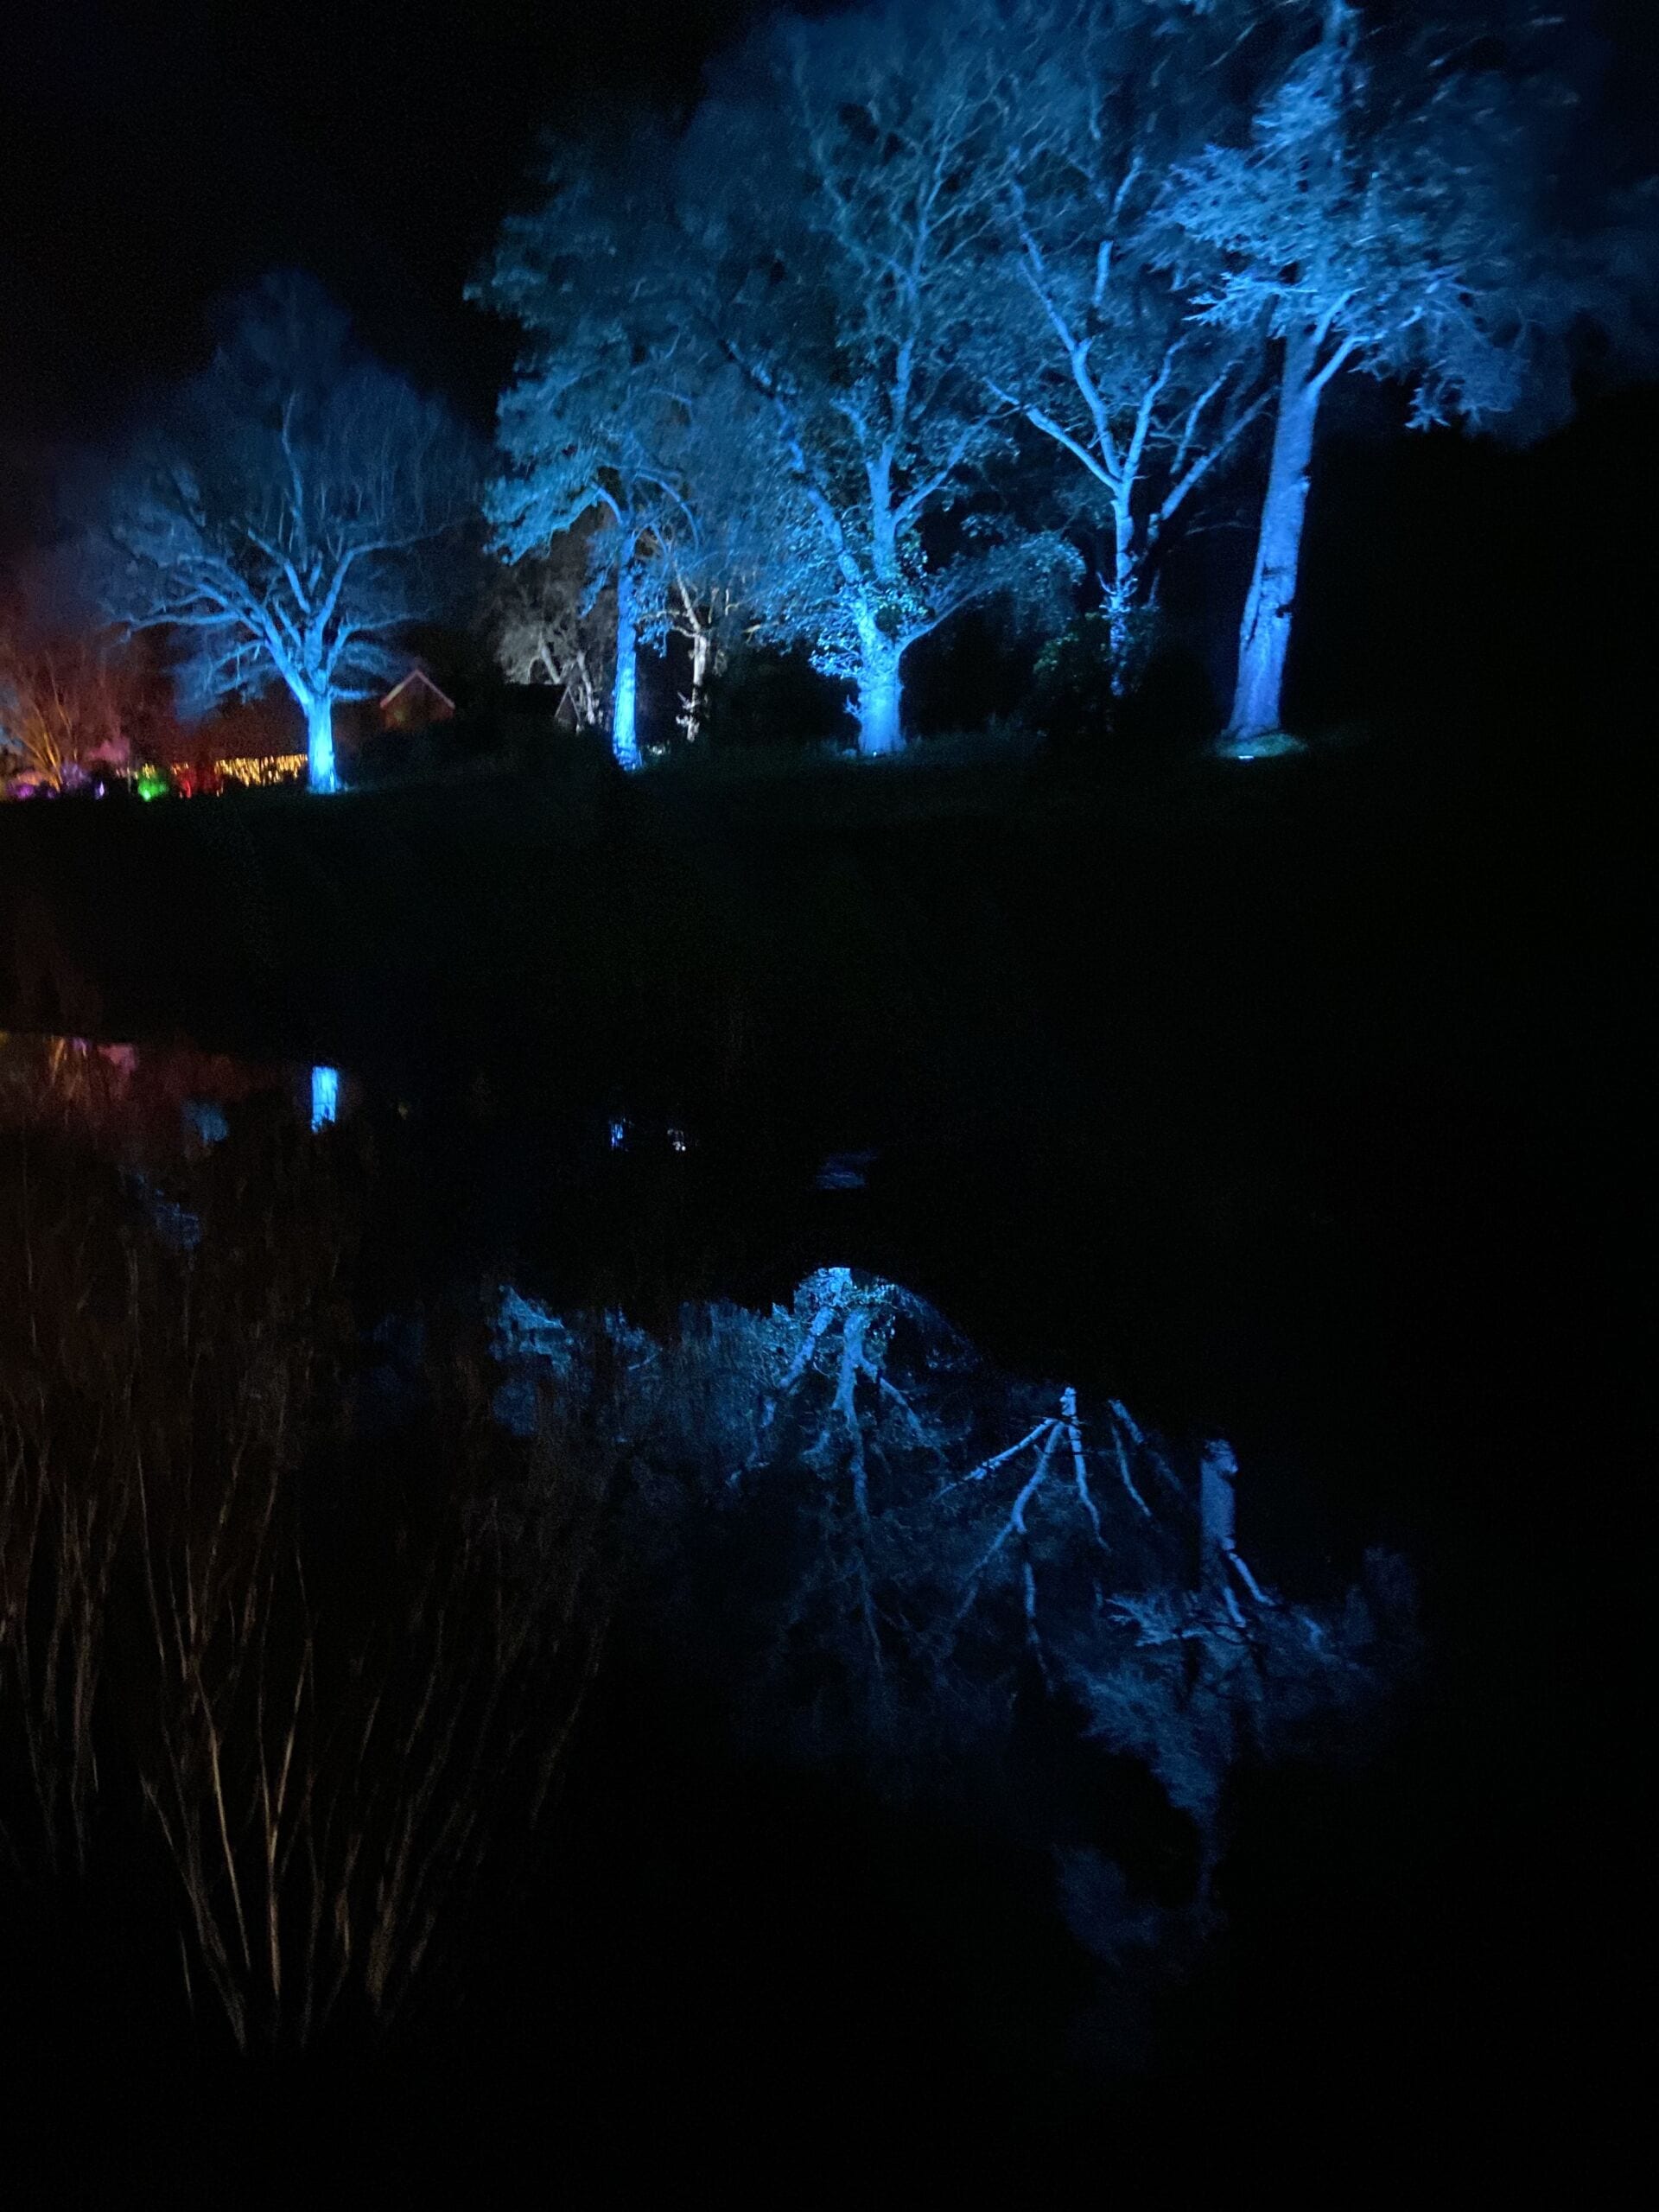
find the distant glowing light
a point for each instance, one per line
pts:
(679, 1141)
(256, 772)
(152, 782)
(1261, 744)
(619, 1135)
(325, 1096)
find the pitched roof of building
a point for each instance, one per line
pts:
(418, 676)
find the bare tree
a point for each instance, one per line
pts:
(618, 432)
(1386, 218)
(839, 200)
(1092, 342)
(68, 697)
(707, 617)
(281, 518)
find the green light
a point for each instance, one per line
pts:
(152, 782)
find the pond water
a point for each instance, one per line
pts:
(988, 1293)
(1223, 1300)
(821, 1302)
(1073, 1426)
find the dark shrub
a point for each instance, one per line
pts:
(764, 697)
(1173, 701)
(1071, 692)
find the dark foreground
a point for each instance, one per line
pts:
(1293, 1104)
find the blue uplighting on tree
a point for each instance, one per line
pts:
(843, 191)
(325, 1096)
(1384, 220)
(624, 425)
(625, 694)
(924, 296)
(879, 691)
(280, 519)
(1087, 334)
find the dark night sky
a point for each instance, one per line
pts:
(153, 155)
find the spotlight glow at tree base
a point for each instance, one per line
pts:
(1259, 745)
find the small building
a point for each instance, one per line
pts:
(262, 740)
(415, 702)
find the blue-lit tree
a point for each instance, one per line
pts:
(625, 423)
(836, 199)
(281, 517)
(1380, 219)
(1092, 340)
(597, 475)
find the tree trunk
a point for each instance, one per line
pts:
(1264, 636)
(577, 680)
(625, 740)
(1217, 1515)
(325, 1096)
(1120, 597)
(878, 693)
(702, 647)
(1217, 1523)
(320, 744)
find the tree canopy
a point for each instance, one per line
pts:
(624, 423)
(1388, 212)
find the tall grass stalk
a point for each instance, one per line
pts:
(332, 1685)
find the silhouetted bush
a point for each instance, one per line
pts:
(1167, 699)
(1173, 702)
(763, 697)
(1073, 702)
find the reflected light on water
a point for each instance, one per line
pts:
(325, 1096)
